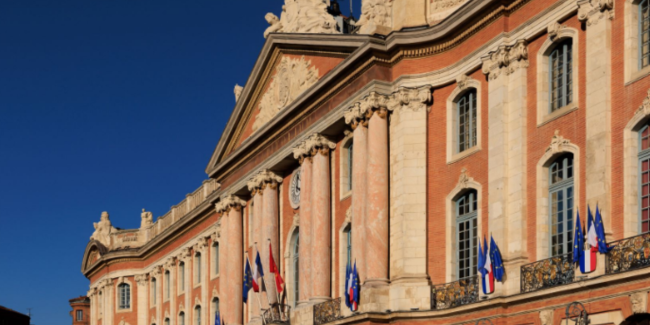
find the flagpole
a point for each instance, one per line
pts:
(275, 279)
(259, 303)
(263, 281)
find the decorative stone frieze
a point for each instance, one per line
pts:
(376, 17)
(262, 179)
(185, 254)
(103, 230)
(414, 99)
(558, 143)
(311, 146)
(639, 302)
(302, 16)
(592, 11)
(157, 271)
(292, 78)
(141, 279)
(506, 59)
(229, 202)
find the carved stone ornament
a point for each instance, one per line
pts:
(553, 29)
(464, 179)
(141, 279)
(376, 17)
(153, 320)
(506, 59)
(122, 322)
(310, 146)
(238, 90)
(181, 307)
(262, 179)
(645, 107)
(103, 230)
(557, 143)
(592, 11)
(157, 271)
(185, 254)
(216, 234)
(228, 203)
(414, 99)
(546, 317)
(170, 263)
(200, 244)
(639, 302)
(197, 301)
(146, 219)
(292, 78)
(215, 294)
(302, 16)
(461, 81)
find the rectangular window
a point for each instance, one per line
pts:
(181, 277)
(467, 234)
(350, 161)
(216, 258)
(153, 291)
(167, 282)
(644, 31)
(467, 121)
(561, 75)
(645, 195)
(197, 260)
(80, 315)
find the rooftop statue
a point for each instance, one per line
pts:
(302, 16)
(238, 90)
(103, 229)
(376, 17)
(147, 219)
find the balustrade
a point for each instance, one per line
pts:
(277, 314)
(628, 254)
(454, 294)
(327, 312)
(551, 272)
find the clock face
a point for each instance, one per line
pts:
(294, 190)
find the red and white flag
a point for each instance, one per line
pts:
(274, 269)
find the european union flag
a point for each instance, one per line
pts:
(355, 288)
(497, 261)
(481, 259)
(600, 231)
(217, 320)
(248, 281)
(578, 241)
(348, 272)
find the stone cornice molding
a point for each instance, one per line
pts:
(414, 99)
(229, 202)
(506, 59)
(311, 146)
(592, 11)
(262, 179)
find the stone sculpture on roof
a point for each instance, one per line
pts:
(302, 16)
(376, 17)
(238, 89)
(147, 219)
(103, 230)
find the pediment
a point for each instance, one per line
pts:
(94, 251)
(283, 74)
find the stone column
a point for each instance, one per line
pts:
(232, 206)
(598, 15)
(91, 296)
(258, 214)
(357, 120)
(110, 310)
(143, 298)
(304, 230)
(507, 73)
(319, 147)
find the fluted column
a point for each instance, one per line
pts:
(304, 231)
(231, 206)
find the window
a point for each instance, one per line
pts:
(153, 291)
(467, 234)
(197, 266)
(296, 266)
(167, 283)
(181, 276)
(124, 292)
(350, 157)
(644, 180)
(166, 321)
(197, 315)
(561, 75)
(216, 257)
(466, 108)
(644, 31)
(561, 204)
(181, 318)
(80, 315)
(348, 232)
(215, 308)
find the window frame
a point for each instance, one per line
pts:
(181, 277)
(198, 261)
(153, 291)
(181, 318)
(565, 47)
(563, 186)
(471, 96)
(197, 315)
(79, 313)
(643, 154)
(167, 279)
(121, 304)
(469, 218)
(295, 247)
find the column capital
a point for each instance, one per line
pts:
(591, 11)
(217, 233)
(411, 98)
(311, 146)
(141, 279)
(229, 202)
(157, 271)
(262, 179)
(200, 244)
(506, 59)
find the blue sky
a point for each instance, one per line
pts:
(109, 105)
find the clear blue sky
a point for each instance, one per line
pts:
(109, 105)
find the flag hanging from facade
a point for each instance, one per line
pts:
(578, 241)
(248, 280)
(348, 284)
(592, 237)
(258, 273)
(354, 293)
(274, 269)
(497, 261)
(600, 232)
(488, 272)
(217, 320)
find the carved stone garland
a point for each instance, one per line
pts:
(557, 143)
(292, 78)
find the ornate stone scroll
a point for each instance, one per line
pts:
(506, 59)
(262, 179)
(302, 16)
(292, 77)
(591, 11)
(312, 145)
(103, 230)
(376, 17)
(229, 202)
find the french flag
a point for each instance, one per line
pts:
(488, 272)
(258, 273)
(588, 260)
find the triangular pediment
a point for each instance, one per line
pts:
(283, 73)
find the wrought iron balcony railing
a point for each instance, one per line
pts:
(277, 314)
(551, 272)
(327, 312)
(454, 294)
(628, 254)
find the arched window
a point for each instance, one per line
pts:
(215, 248)
(197, 315)
(561, 204)
(167, 284)
(350, 160)
(467, 234)
(153, 291)
(181, 318)
(561, 75)
(348, 247)
(644, 180)
(644, 32)
(467, 121)
(166, 321)
(197, 267)
(296, 266)
(181, 276)
(124, 294)
(215, 308)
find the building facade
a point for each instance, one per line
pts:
(399, 147)
(80, 312)
(12, 317)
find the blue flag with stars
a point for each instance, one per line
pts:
(248, 281)
(578, 241)
(600, 231)
(497, 261)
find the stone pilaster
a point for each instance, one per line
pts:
(143, 298)
(231, 206)
(597, 16)
(109, 293)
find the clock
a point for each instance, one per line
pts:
(294, 190)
